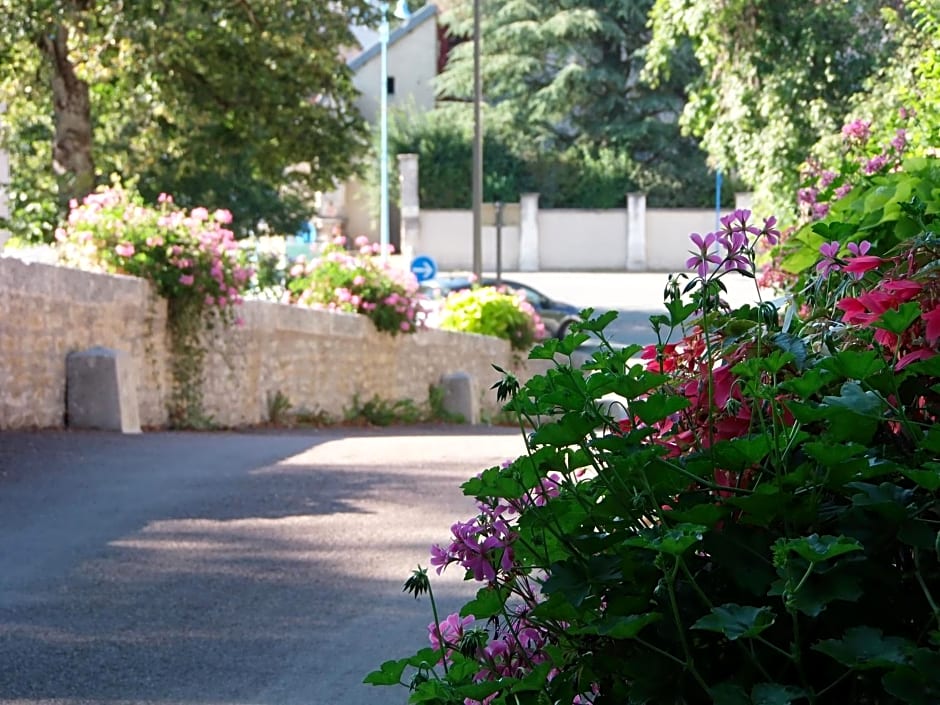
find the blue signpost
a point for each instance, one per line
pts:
(424, 268)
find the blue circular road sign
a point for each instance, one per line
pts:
(424, 268)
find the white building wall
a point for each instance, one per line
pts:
(582, 239)
(569, 240)
(412, 62)
(667, 235)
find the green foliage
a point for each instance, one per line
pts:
(903, 94)
(565, 113)
(489, 311)
(760, 526)
(383, 412)
(884, 210)
(279, 407)
(340, 281)
(211, 101)
(758, 61)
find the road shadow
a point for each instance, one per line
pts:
(209, 568)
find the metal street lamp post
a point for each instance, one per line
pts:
(401, 12)
(477, 148)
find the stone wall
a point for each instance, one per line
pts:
(318, 360)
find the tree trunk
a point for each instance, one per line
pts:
(71, 146)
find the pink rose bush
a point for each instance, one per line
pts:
(338, 280)
(189, 256)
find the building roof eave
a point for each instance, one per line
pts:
(416, 20)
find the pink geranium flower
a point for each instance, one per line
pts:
(125, 249)
(932, 327)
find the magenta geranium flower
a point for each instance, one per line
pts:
(830, 253)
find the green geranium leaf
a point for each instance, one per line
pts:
(637, 382)
(898, 321)
(494, 482)
(488, 602)
(839, 583)
(886, 499)
(800, 260)
(794, 345)
(911, 687)
(739, 454)
(806, 413)
(657, 407)
(763, 506)
(829, 455)
(880, 196)
(389, 673)
(775, 694)
(853, 398)
(621, 627)
(659, 320)
(545, 350)
(679, 312)
(598, 324)
(729, 694)
(480, 691)
(931, 440)
(575, 580)
(674, 541)
(809, 383)
(917, 533)
(929, 367)
(928, 477)
(433, 691)
(706, 514)
(571, 342)
(866, 647)
(816, 549)
(569, 430)
(855, 364)
(736, 621)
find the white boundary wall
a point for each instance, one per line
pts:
(569, 239)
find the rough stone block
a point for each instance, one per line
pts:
(101, 390)
(460, 396)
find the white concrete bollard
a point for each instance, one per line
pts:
(460, 396)
(101, 390)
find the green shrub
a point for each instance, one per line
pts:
(490, 311)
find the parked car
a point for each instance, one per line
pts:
(556, 315)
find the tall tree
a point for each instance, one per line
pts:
(776, 74)
(214, 101)
(564, 75)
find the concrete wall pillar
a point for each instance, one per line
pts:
(410, 205)
(636, 232)
(529, 233)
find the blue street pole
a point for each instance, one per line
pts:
(383, 149)
(718, 200)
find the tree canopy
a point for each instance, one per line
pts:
(245, 105)
(562, 87)
(775, 76)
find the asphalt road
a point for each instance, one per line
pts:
(258, 568)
